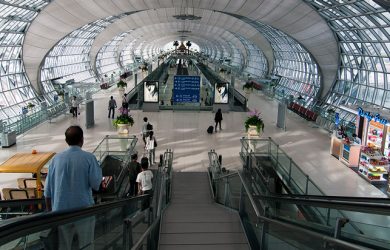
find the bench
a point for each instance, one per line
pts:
(302, 111)
(18, 193)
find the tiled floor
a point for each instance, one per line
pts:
(185, 133)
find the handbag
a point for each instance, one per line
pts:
(155, 143)
(71, 110)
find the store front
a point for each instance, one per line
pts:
(369, 151)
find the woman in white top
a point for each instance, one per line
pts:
(144, 180)
(151, 144)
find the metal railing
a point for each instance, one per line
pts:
(118, 145)
(95, 224)
(162, 194)
(288, 170)
(270, 219)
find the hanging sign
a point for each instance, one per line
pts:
(370, 117)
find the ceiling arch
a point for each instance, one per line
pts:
(293, 17)
(163, 20)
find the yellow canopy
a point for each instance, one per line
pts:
(26, 162)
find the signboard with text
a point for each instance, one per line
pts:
(186, 89)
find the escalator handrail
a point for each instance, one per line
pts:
(17, 227)
(338, 198)
(21, 202)
(308, 233)
(364, 207)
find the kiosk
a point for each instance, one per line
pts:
(372, 157)
(28, 163)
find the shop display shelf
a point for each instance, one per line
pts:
(377, 175)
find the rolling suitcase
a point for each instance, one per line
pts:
(210, 129)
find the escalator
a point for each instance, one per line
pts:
(267, 211)
(119, 224)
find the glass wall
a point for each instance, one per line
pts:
(107, 60)
(69, 59)
(363, 31)
(16, 92)
(298, 72)
(256, 64)
(127, 56)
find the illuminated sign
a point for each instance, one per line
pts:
(370, 117)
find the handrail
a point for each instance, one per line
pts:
(294, 228)
(17, 227)
(339, 198)
(254, 206)
(22, 202)
(138, 244)
(373, 208)
(168, 156)
(224, 176)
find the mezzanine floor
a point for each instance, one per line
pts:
(185, 133)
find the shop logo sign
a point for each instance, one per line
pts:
(370, 117)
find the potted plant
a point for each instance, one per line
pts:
(254, 125)
(248, 86)
(30, 105)
(123, 121)
(121, 84)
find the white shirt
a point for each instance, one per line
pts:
(145, 178)
(74, 103)
(149, 143)
(144, 129)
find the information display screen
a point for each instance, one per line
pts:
(221, 93)
(186, 89)
(151, 91)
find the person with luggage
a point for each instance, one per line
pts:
(218, 119)
(134, 168)
(111, 107)
(151, 144)
(144, 180)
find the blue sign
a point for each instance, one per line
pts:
(337, 118)
(186, 89)
(370, 117)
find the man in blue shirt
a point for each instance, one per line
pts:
(72, 175)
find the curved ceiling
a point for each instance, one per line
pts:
(293, 17)
(219, 26)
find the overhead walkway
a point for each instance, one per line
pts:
(194, 221)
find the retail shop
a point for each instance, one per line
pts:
(369, 151)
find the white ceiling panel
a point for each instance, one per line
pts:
(293, 17)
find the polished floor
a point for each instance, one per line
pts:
(185, 133)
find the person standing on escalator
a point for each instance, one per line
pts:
(72, 175)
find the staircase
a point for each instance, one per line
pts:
(194, 221)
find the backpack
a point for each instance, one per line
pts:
(149, 127)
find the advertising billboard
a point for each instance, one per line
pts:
(151, 91)
(221, 93)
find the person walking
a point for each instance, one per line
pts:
(144, 180)
(145, 131)
(111, 107)
(151, 144)
(125, 103)
(218, 119)
(75, 106)
(72, 175)
(134, 168)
